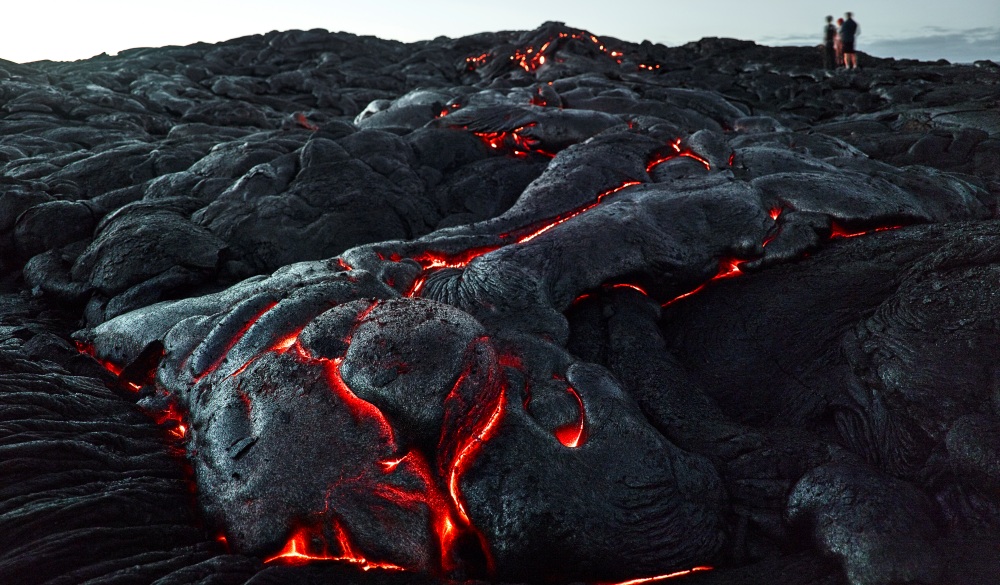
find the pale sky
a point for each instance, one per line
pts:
(958, 30)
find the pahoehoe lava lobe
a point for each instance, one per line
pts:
(539, 306)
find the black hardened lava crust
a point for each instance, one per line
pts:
(520, 307)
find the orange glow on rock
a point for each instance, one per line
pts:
(663, 577)
(350, 555)
(442, 517)
(418, 285)
(472, 63)
(466, 455)
(836, 231)
(433, 260)
(634, 287)
(171, 417)
(297, 550)
(285, 343)
(87, 349)
(360, 408)
(303, 121)
(572, 435)
(232, 342)
(728, 268)
(514, 141)
(563, 219)
(684, 296)
(391, 465)
(678, 152)
(529, 59)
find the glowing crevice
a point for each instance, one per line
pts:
(837, 231)
(634, 287)
(572, 435)
(563, 219)
(302, 120)
(89, 350)
(673, 575)
(232, 342)
(728, 268)
(297, 550)
(173, 418)
(530, 60)
(513, 141)
(434, 260)
(678, 152)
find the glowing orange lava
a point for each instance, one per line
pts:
(836, 231)
(232, 342)
(678, 152)
(467, 453)
(515, 141)
(572, 435)
(297, 550)
(563, 219)
(634, 287)
(472, 63)
(663, 577)
(728, 268)
(87, 349)
(418, 285)
(428, 494)
(434, 260)
(301, 120)
(530, 60)
(173, 418)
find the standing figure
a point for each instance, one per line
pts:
(838, 44)
(829, 38)
(848, 31)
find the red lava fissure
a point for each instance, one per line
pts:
(514, 142)
(673, 575)
(573, 434)
(448, 514)
(530, 59)
(730, 267)
(431, 261)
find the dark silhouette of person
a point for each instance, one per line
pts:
(848, 31)
(829, 39)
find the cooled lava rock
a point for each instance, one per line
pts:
(530, 306)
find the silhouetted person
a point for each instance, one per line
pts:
(848, 31)
(838, 45)
(829, 38)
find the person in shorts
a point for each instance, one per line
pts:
(848, 32)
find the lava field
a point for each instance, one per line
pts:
(520, 307)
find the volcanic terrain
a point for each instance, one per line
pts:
(519, 307)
